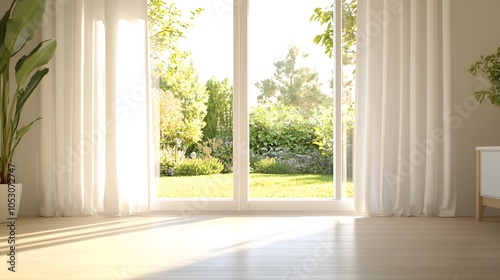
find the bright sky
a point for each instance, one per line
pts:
(274, 25)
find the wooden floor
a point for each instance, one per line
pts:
(253, 247)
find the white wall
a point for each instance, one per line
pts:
(475, 32)
(476, 26)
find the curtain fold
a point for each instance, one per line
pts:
(95, 145)
(403, 141)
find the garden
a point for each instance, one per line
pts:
(291, 125)
(291, 157)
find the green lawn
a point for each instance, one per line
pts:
(261, 186)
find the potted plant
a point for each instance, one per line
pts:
(18, 26)
(489, 67)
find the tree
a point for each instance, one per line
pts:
(219, 118)
(349, 32)
(171, 117)
(292, 85)
(193, 98)
(166, 28)
(177, 76)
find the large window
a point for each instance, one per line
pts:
(255, 107)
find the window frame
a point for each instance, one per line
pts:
(241, 201)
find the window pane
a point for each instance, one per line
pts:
(291, 99)
(194, 66)
(349, 11)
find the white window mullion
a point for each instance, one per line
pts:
(241, 134)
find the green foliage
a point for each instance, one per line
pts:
(170, 158)
(292, 85)
(216, 147)
(325, 17)
(206, 148)
(193, 98)
(282, 133)
(273, 166)
(312, 163)
(178, 76)
(17, 27)
(171, 117)
(166, 28)
(225, 154)
(349, 32)
(322, 120)
(279, 154)
(489, 67)
(254, 158)
(275, 126)
(219, 118)
(196, 166)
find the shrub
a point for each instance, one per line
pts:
(278, 153)
(196, 166)
(225, 154)
(323, 130)
(254, 158)
(312, 163)
(170, 158)
(166, 167)
(278, 126)
(217, 148)
(273, 166)
(206, 148)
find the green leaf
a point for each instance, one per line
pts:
(19, 135)
(24, 22)
(488, 67)
(40, 56)
(4, 56)
(23, 95)
(3, 25)
(22, 131)
(4, 59)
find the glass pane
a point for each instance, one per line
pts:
(191, 45)
(291, 99)
(349, 11)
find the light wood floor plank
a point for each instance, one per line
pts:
(253, 247)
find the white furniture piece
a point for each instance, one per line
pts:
(487, 179)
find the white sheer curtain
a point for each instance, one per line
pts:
(403, 142)
(95, 134)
